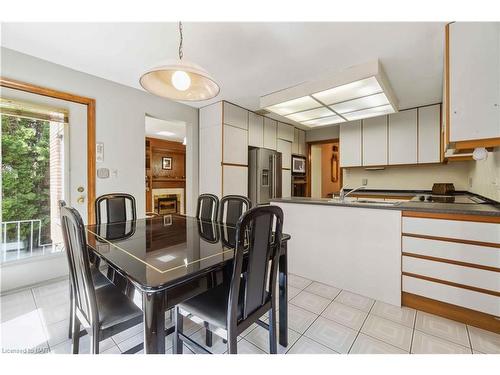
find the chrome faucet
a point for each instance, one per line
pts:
(343, 194)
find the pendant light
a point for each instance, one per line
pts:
(178, 79)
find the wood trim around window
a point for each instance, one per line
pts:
(91, 125)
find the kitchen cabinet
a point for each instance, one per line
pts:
(429, 134)
(285, 132)
(374, 137)
(295, 143)
(235, 116)
(350, 144)
(286, 180)
(235, 180)
(235, 141)
(302, 147)
(472, 75)
(270, 128)
(402, 137)
(255, 130)
(285, 148)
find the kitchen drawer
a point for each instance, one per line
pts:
(470, 299)
(481, 255)
(456, 229)
(469, 276)
(235, 116)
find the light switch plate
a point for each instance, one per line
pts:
(103, 172)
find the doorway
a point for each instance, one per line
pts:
(325, 175)
(165, 150)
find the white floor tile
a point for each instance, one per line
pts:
(128, 333)
(246, 347)
(113, 350)
(218, 346)
(310, 302)
(388, 331)
(484, 341)
(445, 328)
(333, 335)
(343, 314)
(16, 304)
(323, 290)
(298, 281)
(25, 331)
(299, 319)
(260, 337)
(402, 315)
(84, 346)
(292, 292)
(355, 300)
(365, 344)
(428, 344)
(57, 332)
(52, 294)
(305, 345)
(54, 313)
(131, 342)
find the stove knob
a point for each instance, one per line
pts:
(422, 198)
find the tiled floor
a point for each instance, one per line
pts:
(322, 319)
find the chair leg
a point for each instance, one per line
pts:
(94, 341)
(273, 346)
(71, 312)
(178, 329)
(232, 343)
(75, 342)
(208, 336)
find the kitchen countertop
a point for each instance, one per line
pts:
(485, 209)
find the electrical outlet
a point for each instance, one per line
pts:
(364, 181)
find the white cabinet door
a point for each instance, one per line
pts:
(350, 144)
(255, 130)
(302, 143)
(403, 137)
(285, 148)
(235, 180)
(270, 133)
(295, 143)
(429, 134)
(375, 141)
(285, 132)
(286, 185)
(474, 64)
(235, 145)
(235, 116)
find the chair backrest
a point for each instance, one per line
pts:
(116, 208)
(79, 266)
(259, 233)
(207, 207)
(231, 208)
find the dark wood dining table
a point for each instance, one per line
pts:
(161, 261)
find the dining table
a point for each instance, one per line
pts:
(161, 261)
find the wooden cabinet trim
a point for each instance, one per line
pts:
(456, 240)
(450, 261)
(457, 217)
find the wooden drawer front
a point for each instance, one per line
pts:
(464, 230)
(461, 252)
(457, 296)
(474, 277)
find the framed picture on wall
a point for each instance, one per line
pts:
(166, 162)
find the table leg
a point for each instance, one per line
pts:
(154, 323)
(283, 296)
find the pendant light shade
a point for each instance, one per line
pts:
(178, 79)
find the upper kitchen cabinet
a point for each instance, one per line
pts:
(374, 141)
(285, 132)
(429, 134)
(270, 129)
(295, 143)
(302, 149)
(285, 148)
(402, 137)
(350, 144)
(235, 149)
(255, 130)
(472, 84)
(235, 116)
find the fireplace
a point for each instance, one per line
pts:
(166, 204)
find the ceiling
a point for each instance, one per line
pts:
(156, 128)
(248, 60)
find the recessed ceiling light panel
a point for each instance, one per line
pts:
(369, 112)
(311, 114)
(349, 91)
(365, 102)
(165, 133)
(294, 105)
(331, 120)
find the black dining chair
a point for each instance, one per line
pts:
(207, 207)
(233, 306)
(231, 208)
(119, 207)
(102, 312)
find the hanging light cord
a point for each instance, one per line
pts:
(181, 54)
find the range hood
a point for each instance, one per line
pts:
(359, 92)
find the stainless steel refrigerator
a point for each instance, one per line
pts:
(264, 175)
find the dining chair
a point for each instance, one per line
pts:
(231, 307)
(231, 207)
(207, 207)
(103, 312)
(119, 207)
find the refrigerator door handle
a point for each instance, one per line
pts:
(274, 183)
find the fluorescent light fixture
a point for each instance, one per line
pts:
(369, 112)
(295, 105)
(309, 115)
(166, 133)
(361, 103)
(324, 121)
(358, 92)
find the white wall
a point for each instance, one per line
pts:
(120, 112)
(485, 176)
(327, 132)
